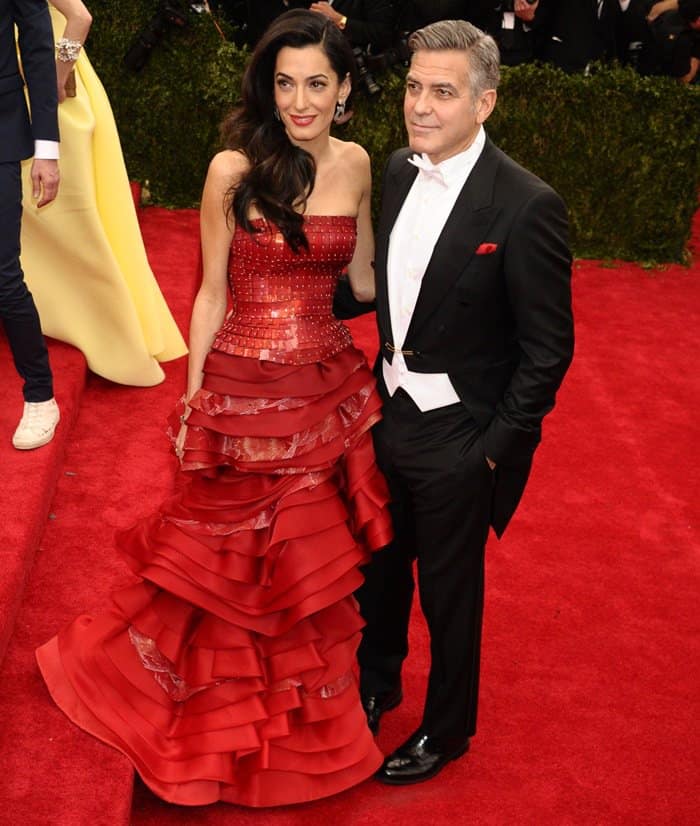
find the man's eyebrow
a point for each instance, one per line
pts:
(438, 84)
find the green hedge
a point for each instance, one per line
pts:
(621, 149)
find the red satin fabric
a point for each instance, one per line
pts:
(226, 672)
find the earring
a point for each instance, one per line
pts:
(276, 113)
(339, 110)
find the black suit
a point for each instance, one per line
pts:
(369, 21)
(575, 34)
(17, 135)
(517, 45)
(494, 313)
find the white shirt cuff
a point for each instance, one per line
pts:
(46, 150)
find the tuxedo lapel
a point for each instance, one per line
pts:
(400, 176)
(466, 227)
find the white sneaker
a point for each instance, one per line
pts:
(37, 425)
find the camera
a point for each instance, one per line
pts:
(398, 53)
(366, 79)
(367, 62)
(169, 13)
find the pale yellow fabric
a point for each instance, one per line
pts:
(83, 255)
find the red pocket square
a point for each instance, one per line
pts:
(486, 249)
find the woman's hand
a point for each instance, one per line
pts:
(63, 74)
(182, 433)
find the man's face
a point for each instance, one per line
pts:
(442, 117)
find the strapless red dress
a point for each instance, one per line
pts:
(226, 672)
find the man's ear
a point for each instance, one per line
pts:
(485, 105)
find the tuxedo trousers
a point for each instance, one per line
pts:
(441, 491)
(17, 309)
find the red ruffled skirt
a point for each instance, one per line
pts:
(227, 672)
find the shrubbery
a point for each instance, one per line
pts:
(621, 149)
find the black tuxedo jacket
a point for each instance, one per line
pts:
(17, 131)
(517, 45)
(574, 35)
(494, 308)
(369, 21)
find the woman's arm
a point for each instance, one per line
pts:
(361, 268)
(216, 230)
(78, 22)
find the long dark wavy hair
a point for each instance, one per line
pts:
(281, 175)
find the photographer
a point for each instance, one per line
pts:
(366, 23)
(516, 25)
(414, 14)
(260, 14)
(579, 32)
(675, 28)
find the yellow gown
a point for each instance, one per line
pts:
(83, 256)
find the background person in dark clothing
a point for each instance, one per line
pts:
(662, 38)
(365, 22)
(675, 27)
(516, 25)
(260, 14)
(414, 14)
(579, 32)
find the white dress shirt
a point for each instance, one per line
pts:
(416, 231)
(46, 150)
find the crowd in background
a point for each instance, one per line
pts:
(660, 37)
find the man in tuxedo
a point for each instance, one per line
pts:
(476, 333)
(364, 22)
(20, 138)
(578, 32)
(515, 26)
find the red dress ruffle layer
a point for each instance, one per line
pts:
(227, 671)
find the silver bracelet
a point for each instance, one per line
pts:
(68, 50)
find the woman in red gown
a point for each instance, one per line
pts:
(227, 671)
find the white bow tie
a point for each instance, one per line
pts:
(428, 169)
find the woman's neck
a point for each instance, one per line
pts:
(319, 149)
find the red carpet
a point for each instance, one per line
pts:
(29, 477)
(590, 671)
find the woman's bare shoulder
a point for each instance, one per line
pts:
(352, 153)
(228, 165)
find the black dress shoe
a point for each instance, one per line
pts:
(376, 704)
(419, 758)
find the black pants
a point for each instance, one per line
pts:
(17, 308)
(441, 489)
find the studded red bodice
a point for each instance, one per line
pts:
(283, 301)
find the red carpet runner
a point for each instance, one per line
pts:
(589, 701)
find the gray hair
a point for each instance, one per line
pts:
(480, 48)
